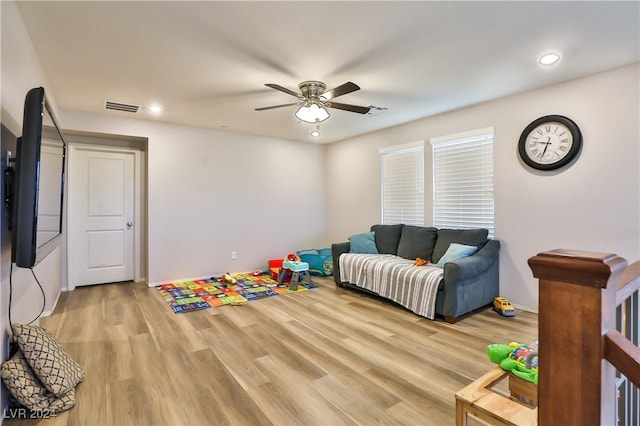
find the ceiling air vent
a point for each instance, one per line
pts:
(117, 106)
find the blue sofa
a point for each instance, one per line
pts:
(468, 285)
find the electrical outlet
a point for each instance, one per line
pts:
(234, 255)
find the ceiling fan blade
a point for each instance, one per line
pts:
(347, 107)
(283, 89)
(276, 106)
(343, 89)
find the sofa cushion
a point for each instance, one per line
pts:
(417, 241)
(363, 243)
(456, 251)
(469, 237)
(387, 238)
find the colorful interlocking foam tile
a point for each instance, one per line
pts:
(186, 296)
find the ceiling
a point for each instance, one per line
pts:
(207, 62)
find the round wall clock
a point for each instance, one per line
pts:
(550, 142)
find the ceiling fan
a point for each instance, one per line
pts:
(314, 100)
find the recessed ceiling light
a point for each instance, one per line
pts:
(156, 109)
(549, 59)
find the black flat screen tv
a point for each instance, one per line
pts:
(39, 180)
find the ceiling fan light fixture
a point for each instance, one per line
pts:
(312, 113)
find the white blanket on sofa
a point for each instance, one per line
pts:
(396, 278)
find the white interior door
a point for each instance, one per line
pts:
(101, 214)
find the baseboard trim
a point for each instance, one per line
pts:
(526, 308)
(48, 313)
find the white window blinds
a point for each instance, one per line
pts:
(463, 180)
(402, 186)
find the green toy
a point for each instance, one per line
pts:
(520, 359)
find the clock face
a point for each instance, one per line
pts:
(549, 142)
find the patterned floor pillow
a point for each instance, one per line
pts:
(55, 369)
(28, 391)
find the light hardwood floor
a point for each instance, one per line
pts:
(329, 356)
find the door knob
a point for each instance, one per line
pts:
(129, 224)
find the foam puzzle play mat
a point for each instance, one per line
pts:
(186, 296)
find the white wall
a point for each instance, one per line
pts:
(211, 192)
(592, 205)
(21, 71)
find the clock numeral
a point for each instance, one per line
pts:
(565, 140)
(547, 129)
(562, 134)
(563, 148)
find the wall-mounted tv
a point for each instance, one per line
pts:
(39, 180)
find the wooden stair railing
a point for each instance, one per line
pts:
(623, 354)
(629, 282)
(576, 333)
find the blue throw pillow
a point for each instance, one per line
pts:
(456, 251)
(363, 243)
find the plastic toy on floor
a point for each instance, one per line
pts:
(274, 268)
(292, 258)
(297, 269)
(503, 306)
(519, 359)
(227, 279)
(293, 263)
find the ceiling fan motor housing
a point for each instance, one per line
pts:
(312, 89)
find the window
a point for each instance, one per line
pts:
(402, 170)
(463, 180)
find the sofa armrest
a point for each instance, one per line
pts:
(336, 250)
(472, 266)
(471, 282)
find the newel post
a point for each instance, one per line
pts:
(576, 307)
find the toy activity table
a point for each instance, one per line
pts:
(299, 271)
